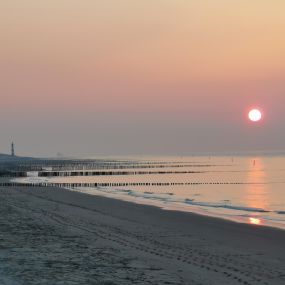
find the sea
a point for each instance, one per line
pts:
(245, 188)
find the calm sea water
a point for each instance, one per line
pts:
(243, 189)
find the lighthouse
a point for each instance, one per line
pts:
(12, 149)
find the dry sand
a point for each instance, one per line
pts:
(56, 236)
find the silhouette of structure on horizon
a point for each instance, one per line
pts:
(12, 149)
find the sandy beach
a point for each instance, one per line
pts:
(57, 236)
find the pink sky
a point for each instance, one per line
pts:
(122, 77)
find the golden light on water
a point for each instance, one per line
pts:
(254, 221)
(257, 193)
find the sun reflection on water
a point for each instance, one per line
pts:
(254, 221)
(257, 190)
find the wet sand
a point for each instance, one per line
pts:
(56, 236)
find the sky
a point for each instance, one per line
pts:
(125, 77)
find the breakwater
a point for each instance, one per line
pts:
(107, 173)
(13, 173)
(120, 184)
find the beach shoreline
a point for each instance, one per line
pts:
(58, 236)
(251, 217)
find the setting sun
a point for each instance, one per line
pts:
(255, 115)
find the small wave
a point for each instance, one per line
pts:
(124, 190)
(280, 212)
(150, 196)
(225, 206)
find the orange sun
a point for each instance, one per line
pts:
(255, 115)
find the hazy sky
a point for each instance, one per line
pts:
(88, 77)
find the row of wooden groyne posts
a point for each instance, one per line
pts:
(90, 173)
(125, 166)
(21, 171)
(106, 173)
(75, 185)
(86, 165)
(98, 185)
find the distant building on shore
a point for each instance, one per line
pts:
(12, 149)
